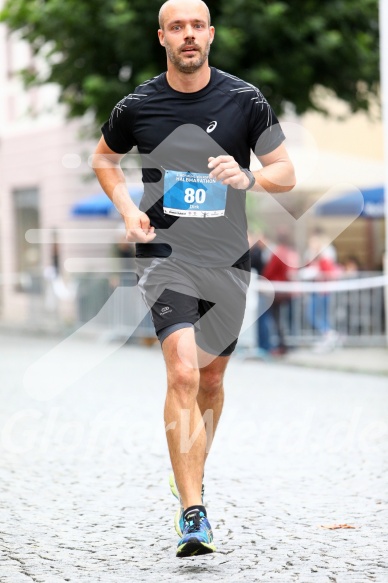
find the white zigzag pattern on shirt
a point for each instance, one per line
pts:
(259, 99)
(120, 106)
(149, 81)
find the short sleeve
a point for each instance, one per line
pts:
(265, 133)
(118, 130)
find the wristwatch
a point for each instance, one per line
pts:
(250, 176)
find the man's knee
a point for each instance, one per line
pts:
(211, 383)
(183, 380)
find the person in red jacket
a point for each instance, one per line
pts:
(280, 267)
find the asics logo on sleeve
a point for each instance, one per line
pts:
(211, 127)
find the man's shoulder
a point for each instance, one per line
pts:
(230, 80)
(129, 105)
(238, 89)
(234, 84)
(141, 92)
(150, 86)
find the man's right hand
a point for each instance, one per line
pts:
(138, 228)
(106, 164)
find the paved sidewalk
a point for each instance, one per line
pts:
(84, 473)
(365, 360)
(370, 360)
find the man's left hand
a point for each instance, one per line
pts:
(225, 169)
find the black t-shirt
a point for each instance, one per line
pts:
(180, 131)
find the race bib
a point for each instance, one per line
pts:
(190, 194)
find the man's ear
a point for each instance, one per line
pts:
(161, 36)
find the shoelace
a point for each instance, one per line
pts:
(195, 524)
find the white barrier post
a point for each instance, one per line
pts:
(384, 98)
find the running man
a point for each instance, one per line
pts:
(194, 127)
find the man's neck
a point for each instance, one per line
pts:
(188, 82)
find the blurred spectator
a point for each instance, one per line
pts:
(123, 251)
(322, 266)
(260, 255)
(351, 266)
(280, 268)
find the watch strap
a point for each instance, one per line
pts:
(250, 176)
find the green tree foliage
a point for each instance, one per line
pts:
(99, 50)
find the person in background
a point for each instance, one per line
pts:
(260, 254)
(122, 252)
(351, 266)
(322, 266)
(280, 268)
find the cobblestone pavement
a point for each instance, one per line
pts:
(84, 475)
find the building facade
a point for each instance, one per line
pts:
(44, 172)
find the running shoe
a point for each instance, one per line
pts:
(178, 518)
(197, 536)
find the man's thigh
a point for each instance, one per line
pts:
(169, 293)
(211, 299)
(222, 317)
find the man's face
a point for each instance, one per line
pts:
(186, 36)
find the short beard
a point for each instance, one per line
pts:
(193, 64)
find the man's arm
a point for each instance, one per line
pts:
(106, 165)
(277, 174)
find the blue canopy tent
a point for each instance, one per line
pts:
(349, 204)
(99, 205)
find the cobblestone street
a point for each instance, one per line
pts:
(84, 474)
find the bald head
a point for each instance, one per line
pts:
(163, 12)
